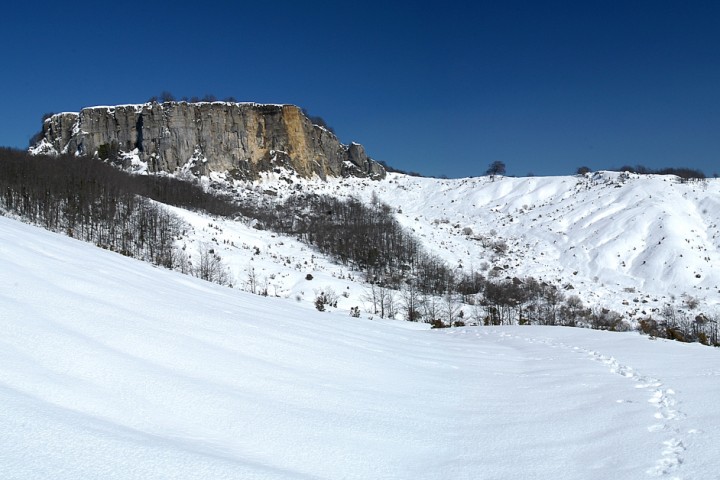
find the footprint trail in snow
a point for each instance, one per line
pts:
(662, 399)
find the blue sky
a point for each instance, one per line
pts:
(544, 87)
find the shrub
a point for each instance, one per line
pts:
(648, 326)
(323, 298)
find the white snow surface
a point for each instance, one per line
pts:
(631, 243)
(113, 369)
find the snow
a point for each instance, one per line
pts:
(631, 243)
(139, 106)
(111, 368)
(626, 242)
(43, 147)
(133, 162)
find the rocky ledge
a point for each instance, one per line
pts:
(243, 139)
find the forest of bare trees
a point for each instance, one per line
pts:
(94, 202)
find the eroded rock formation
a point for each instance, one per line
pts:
(240, 138)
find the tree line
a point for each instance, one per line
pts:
(404, 280)
(684, 173)
(95, 202)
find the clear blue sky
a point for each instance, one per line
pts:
(544, 87)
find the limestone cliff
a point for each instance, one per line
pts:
(241, 138)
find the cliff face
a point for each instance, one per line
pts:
(241, 138)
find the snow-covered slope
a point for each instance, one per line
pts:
(110, 368)
(632, 243)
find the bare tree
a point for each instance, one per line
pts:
(166, 96)
(251, 280)
(431, 308)
(389, 303)
(573, 311)
(451, 307)
(182, 262)
(372, 297)
(210, 267)
(411, 301)
(381, 299)
(496, 168)
(478, 309)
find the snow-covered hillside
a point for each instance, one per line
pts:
(111, 368)
(631, 243)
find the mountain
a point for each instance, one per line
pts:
(241, 138)
(111, 368)
(632, 246)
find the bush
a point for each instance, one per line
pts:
(648, 326)
(607, 320)
(325, 298)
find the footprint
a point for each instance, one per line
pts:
(671, 459)
(648, 385)
(673, 447)
(623, 370)
(665, 415)
(657, 397)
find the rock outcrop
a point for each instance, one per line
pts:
(243, 139)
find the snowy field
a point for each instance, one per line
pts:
(113, 369)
